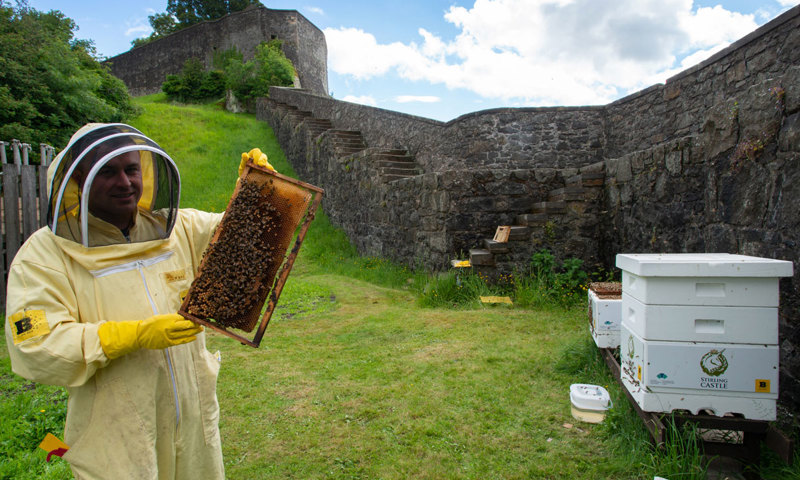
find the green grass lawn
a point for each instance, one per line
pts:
(354, 379)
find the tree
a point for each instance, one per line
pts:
(50, 82)
(189, 12)
(184, 13)
(251, 79)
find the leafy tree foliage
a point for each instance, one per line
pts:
(252, 79)
(184, 13)
(50, 82)
(246, 80)
(194, 83)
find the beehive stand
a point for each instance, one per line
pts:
(753, 432)
(295, 204)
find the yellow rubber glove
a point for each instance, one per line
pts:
(259, 158)
(157, 332)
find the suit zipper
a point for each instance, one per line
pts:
(140, 266)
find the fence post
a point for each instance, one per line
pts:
(15, 152)
(26, 147)
(3, 151)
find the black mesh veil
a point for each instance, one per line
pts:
(87, 152)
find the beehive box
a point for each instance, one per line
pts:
(693, 323)
(706, 279)
(246, 261)
(605, 311)
(718, 378)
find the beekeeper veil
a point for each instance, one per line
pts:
(92, 147)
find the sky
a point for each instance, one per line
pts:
(441, 59)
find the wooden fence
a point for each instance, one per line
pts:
(23, 200)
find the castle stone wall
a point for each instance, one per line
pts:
(709, 161)
(144, 68)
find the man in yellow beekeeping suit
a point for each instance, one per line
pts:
(92, 301)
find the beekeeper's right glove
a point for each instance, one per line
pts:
(157, 332)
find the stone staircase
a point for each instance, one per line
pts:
(570, 212)
(390, 164)
(395, 164)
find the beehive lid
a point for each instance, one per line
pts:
(702, 265)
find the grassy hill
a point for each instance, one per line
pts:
(355, 379)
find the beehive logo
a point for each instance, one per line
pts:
(630, 346)
(714, 363)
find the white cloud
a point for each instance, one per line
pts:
(138, 30)
(417, 98)
(363, 100)
(548, 52)
(787, 3)
(316, 10)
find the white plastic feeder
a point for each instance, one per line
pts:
(589, 402)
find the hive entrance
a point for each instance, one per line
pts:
(248, 250)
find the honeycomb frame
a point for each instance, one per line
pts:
(293, 205)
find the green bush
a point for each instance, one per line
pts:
(269, 67)
(544, 283)
(194, 83)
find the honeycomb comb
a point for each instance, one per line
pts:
(248, 251)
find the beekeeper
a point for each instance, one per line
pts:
(91, 305)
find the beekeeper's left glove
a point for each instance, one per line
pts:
(157, 332)
(258, 157)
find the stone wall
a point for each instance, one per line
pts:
(143, 69)
(709, 161)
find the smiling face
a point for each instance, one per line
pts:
(116, 190)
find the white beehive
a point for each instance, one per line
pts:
(719, 378)
(605, 315)
(700, 332)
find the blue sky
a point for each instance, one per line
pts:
(444, 58)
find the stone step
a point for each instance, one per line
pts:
(495, 247)
(532, 219)
(480, 256)
(320, 123)
(393, 157)
(346, 133)
(357, 144)
(391, 178)
(550, 208)
(391, 164)
(519, 232)
(593, 179)
(566, 194)
(408, 172)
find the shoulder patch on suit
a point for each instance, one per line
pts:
(28, 324)
(175, 276)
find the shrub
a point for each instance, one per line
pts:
(545, 283)
(252, 79)
(194, 83)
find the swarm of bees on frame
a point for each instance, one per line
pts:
(235, 265)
